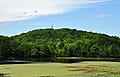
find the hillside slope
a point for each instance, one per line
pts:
(61, 42)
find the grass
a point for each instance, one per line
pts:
(82, 69)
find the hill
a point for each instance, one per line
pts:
(42, 43)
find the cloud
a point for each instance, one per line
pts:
(15, 10)
(101, 16)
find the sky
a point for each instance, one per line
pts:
(20, 16)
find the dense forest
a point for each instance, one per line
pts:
(42, 43)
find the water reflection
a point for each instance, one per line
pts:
(58, 60)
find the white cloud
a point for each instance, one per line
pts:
(14, 10)
(101, 16)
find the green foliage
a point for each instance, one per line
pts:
(64, 42)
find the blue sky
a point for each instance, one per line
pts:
(101, 16)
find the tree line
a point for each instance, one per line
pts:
(47, 43)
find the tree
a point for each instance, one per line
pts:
(94, 51)
(114, 51)
(42, 43)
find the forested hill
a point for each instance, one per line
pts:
(59, 43)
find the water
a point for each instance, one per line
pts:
(58, 60)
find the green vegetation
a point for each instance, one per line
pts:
(48, 43)
(82, 69)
